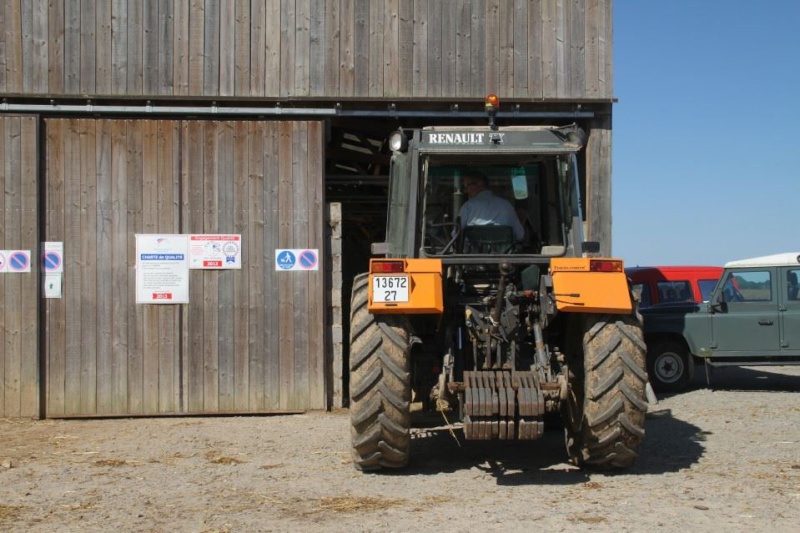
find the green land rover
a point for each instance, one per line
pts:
(751, 319)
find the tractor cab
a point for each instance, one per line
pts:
(527, 180)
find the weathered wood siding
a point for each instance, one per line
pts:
(250, 340)
(598, 184)
(344, 49)
(19, 292)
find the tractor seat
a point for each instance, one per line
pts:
(488, 239)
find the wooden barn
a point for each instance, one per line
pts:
(264, 119)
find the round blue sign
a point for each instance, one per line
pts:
(52, 261)
(286, 260)
(18, 261)
(308, 259)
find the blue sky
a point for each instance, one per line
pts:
(706, 131)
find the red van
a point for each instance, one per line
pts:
(663, 284)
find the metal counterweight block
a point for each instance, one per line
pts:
(502, 405)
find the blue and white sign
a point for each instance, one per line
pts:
(53, 257)
(162, 269)
(308, 259)
(285, 259)
(3, 262)
(293, 259)
(19, 260)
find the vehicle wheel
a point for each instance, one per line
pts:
(606, 404)
(380, 386)
(668, 366)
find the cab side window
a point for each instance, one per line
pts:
(792, 286)
(748, 286)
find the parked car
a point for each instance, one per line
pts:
(665, 284)
(751, 318)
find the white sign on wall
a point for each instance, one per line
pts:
(15, 261)
(53, 268)
(53, 257)
(215, 252)
(162, 269)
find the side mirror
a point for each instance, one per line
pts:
(717, 302)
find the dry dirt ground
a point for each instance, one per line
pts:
(720, 459)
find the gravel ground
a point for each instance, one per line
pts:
(725, 458)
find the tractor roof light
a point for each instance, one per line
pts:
(398, 141)
(492, 105)
(491, 101)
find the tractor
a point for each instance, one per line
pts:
(497, 332)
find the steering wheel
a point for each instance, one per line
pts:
(442, 236)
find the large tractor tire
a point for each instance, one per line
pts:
(606, 405)
(380, 385)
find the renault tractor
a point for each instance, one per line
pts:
(495, 331)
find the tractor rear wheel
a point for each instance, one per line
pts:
(606, 404)
(380, 385)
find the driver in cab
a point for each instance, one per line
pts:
(485, 208)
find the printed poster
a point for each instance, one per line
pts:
(215, 252)
(162, 269)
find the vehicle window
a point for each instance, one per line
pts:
(706, 287)
(527, 187)
(674, 291)
(750, 286)
(644, 292)
(792, 284)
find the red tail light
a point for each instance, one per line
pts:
(387, 267)
(605, 265)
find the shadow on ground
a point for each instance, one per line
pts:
(670, 445)
(746, 379)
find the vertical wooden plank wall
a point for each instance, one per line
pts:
(269, 136)
(240, 314)
(550, 49)
(250, 340)
(106, 181)
(167, 358)
(285, 300)
(255, 336)
(193, 135)
(434, 52)
(19, 292)
(598, 180)
(109, 179)
(55, 315)
(120, 250)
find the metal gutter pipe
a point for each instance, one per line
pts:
(337, 111)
